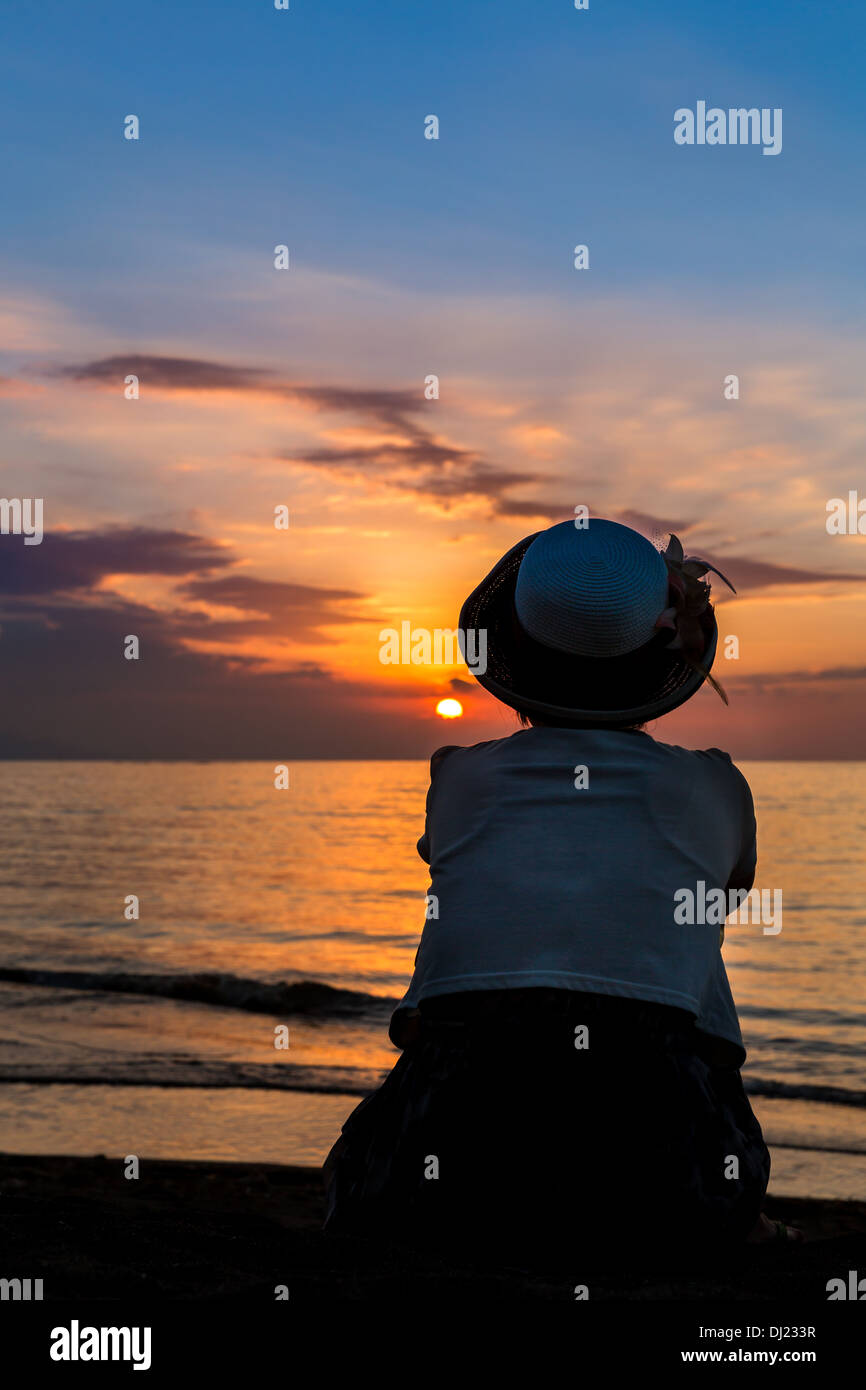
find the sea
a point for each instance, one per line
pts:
(195, 964)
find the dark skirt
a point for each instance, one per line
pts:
(495, 1131)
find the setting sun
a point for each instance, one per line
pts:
(449, 709)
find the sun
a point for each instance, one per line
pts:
(449, 709)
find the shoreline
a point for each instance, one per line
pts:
(187, 1229)
(817, 1151)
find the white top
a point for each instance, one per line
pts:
(540, 883)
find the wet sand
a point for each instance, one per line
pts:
(187, 1230)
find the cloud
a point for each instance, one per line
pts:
(168, 373)
(435, 471)
(417, 461)
(201, 374)
(180, 701)
(782, 679)
(748, 575)
(75, 695)
(389, 406)
(653, 525)
(538, 508)
(76, 564)
(67, 561)
(70, 692)
(296, 610)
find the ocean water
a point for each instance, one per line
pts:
(264, 910)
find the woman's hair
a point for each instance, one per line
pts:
(529, 719)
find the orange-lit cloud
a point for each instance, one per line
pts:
(399, 504)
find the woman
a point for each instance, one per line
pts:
(570, 1073)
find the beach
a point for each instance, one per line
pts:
(156, 1037)
(185, 1230)
(297, 921)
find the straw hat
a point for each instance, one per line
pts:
(591, 623)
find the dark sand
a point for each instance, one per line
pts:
(226, 1230)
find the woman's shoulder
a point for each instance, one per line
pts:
(709, 756)
(712, 765)
(460, 751)
(437, 758)
(459, 770)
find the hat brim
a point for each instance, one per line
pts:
(525, 674)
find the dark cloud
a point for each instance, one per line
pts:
(169, 373)
(552, 511)
(299, 610)
(391, 407)
(422, 464)
(419, 463)
(198, 374)
(75, 562)
(69, 692)
(745, 574)
(535, 508)
(828, 676)
(71, 560)
(440, 472)
(749, 575)
(426, 469)
(421, 452)
(264, 595)
(652, 525)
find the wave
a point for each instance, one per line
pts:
(190, 1073)
(308, 997)
(799, 1090)
(354, 1081)
(175, 1070)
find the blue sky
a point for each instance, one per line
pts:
(306, 127)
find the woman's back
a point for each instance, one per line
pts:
(555, 858)
(569, 1073)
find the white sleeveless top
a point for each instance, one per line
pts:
(538, 881)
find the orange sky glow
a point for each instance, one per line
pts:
(398, 505)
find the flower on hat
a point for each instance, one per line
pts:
(690, 598)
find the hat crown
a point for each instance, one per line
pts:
(591, 590)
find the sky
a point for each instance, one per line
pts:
(410, 257)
